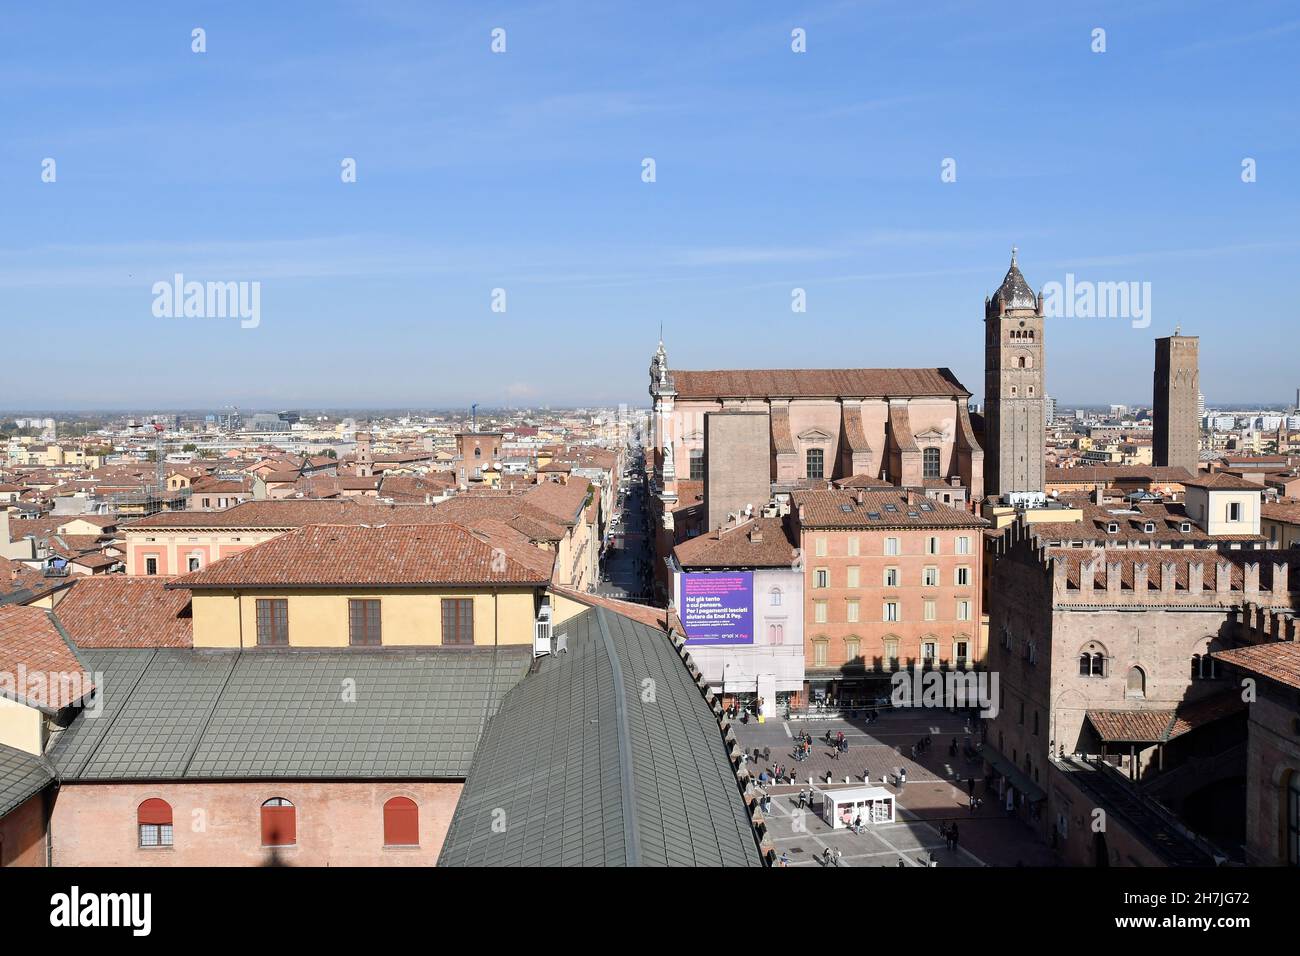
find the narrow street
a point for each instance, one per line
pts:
(625, 567)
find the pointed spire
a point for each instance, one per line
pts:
(1014, 250)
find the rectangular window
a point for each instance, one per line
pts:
(891, 654)
(819, 612)
(853, 548)
(155, 834)
(458, 620)
(819, 654)
(851, 577)
(1234, 511)
(962, 653)
(816, 463)
(891, 610)
(891, 577)
(963, 610)
(151, 565)
(963, 545)
(963, 577)
(272, 622)
(821, 578)
(851, 650)
(891, 546)
(929, 609)
(851, 610)
(821, 547)
(930, 577)
(364, 623)
(930, 463)
(932, 545)
(697, 466)
(194, 564)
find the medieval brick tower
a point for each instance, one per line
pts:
(1174, 397)
(1014, 389)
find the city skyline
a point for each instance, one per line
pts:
(523, 171)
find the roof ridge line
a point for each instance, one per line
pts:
(631, 834)
(207, 721)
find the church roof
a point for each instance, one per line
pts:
(1016, 293)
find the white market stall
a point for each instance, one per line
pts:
(841, 807)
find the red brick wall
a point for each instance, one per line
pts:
(22, 834)
(219, 824)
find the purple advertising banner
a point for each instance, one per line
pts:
(718, 608)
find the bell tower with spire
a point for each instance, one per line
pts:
(662, 392)
(1015, 408)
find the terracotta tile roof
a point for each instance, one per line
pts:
(561, 500)
(737, 547)
(117, 610)
(1277, 661)
(817, 383)
(645, 614)
(1223, 480)
(1286, 510)
(284, 514)
(1191, 716)
(782, 440)
(20, 584)
(1163, 725)
(30, 640)
(1168, 517)
(836, 508)
(1105, 474)
(350, 555)
(854, 433)
(1147, 726)
(1073, 560)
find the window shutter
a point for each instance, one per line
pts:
(155, 811)
(401, 822)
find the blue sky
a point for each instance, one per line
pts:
(522, 171)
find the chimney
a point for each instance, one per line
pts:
(755, 535)
(861, 498)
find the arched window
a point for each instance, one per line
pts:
(401, 822)
(776, 634)
(774, 597)
(1204, 667)
(930, 463)
(154, 820)
(1020, 362)
(279, 823)
(1136, 684)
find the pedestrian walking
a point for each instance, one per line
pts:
(953, 834)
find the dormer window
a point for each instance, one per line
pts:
(1113, 527)
(1149, 527)
(1185, 527)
